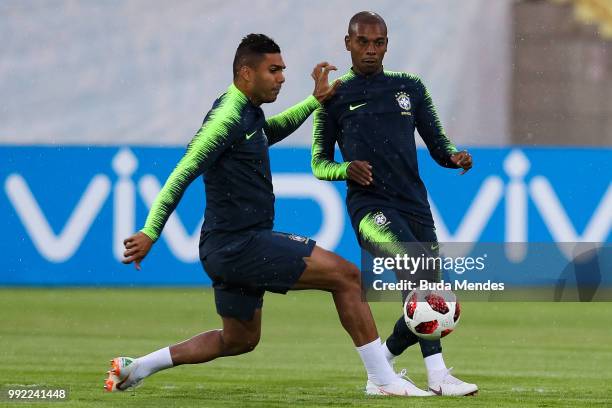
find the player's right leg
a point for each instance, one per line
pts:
(386, 233)
(277, 262)
(328, 271)
(400, 234)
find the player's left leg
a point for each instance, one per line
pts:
(439, 379)
(238, 305)
(236, 337)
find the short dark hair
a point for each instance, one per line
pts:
(366, 17)
(251, 51)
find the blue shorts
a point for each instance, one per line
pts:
(244, 265)
(385, 232)
(397, 227)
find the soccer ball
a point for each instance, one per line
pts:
(431, 314)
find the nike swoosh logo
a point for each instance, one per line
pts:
(434, 247)
(248, 136)
(352, 108)
(437, 392)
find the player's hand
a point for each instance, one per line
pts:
(323, 90)
(136, 248)
(360, 172)
(462, 159)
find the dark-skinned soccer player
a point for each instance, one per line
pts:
(372, 117)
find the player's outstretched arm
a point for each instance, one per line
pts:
(217, 133)
(189, 167)
(285, 123)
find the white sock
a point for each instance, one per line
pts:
(435, 367)
(154, 362)
(388, 354)
(377, 366)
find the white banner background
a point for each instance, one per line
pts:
(145, 72)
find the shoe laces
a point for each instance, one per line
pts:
(402, 374)
(449, 379)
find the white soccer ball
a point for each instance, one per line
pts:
(431, 314)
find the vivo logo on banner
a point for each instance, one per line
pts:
(62, 246)
(516, 193)
(68, 209)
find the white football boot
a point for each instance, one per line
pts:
(444, 384)
(121, 375)
(401, 386)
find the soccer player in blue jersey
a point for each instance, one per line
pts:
(372, 117)
(239, 250)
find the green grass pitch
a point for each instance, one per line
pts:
(520, 354)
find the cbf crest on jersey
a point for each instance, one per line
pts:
(403, 100)
(379, 218)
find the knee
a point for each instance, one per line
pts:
(245, 343)
(352, 273)
(349, 276)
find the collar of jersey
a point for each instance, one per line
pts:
(234, 91)
(352, 73)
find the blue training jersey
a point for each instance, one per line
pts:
(230, 151)
(373, 118)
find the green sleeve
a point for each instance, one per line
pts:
(324, 136)
(430, 128)
(216, 134)
(282, 125)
